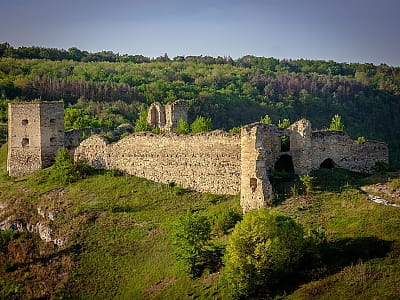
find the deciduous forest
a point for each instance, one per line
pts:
(106, 89)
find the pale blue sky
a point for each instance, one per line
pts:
(341, 30)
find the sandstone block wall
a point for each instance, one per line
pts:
(208, 162)
(36, 132)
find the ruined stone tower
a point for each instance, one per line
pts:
(35, 133)
(166, 117)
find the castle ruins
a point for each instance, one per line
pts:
(166, 117)
(216, 162)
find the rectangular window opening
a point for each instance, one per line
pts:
(285, 143)
(25, 142)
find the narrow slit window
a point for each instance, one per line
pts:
(25, 122)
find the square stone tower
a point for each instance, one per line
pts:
(35, 133)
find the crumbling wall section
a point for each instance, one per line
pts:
(256, 152)
(166, 117)
(301, 146)
(208, 162)
(345, 153)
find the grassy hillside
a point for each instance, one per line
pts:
(119, 245)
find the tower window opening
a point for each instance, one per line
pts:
(25, 142)
(285, 143)
(25, 122)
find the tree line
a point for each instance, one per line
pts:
(229, 92)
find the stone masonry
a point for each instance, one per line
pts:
(262, 151)
(208, 162)
(216, 162)
(36, 132)
(166, 117)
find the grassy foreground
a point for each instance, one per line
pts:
(119, 245)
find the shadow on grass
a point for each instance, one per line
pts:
(336, 180)
(331, 257)
(344, 252)
(286, 185)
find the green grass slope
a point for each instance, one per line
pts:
(119, 245)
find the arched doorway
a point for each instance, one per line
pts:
(327, 164)
(284, 164)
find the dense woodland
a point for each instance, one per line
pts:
(106, 89)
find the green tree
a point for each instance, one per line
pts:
(183, 127)
(141, 123)
(263, 249)
(201, 124)
(192, 235)
(336, 123)
(65, 170)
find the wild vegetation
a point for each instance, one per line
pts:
(106, 89)
(129, 238)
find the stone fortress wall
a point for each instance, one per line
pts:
(262, 152)
(208, 162)
(215, 162)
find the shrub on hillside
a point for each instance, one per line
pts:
(263, 249)
(65, 170)
(201, 124)
(195, 252)
(5, 237)
(225, 220)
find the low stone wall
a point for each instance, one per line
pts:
(208, 162)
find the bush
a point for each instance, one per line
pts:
(235, 130)
(5, 237)
(263, 249)
(266, 120)
(201, 124)
(284, 124)
(225, 220)
(65, 170)
(307, 182)
(336, 123)
(141, 123)
(183, 127)
(192, 235)
(360, 140)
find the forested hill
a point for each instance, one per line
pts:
(107, 89)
